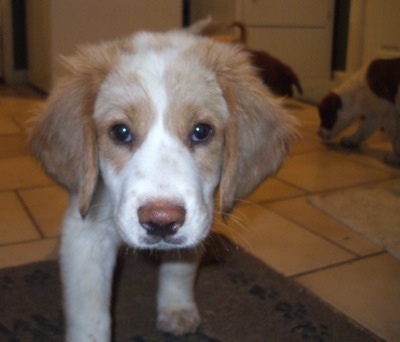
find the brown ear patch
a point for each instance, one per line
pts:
(63, 135)
(383, 78)
(259, 132)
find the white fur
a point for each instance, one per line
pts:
(163, 167)
(87, 289)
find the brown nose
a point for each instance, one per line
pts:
(161, 218)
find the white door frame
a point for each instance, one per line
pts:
(365, 36)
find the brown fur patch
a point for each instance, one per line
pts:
(138, 117)
(259, 133)
(63, 137)
(181, 121)
(383, 78)
(204, 104)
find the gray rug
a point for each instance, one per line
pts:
(373, 211)
(240, 299)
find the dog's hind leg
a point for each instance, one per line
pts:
(177, 310)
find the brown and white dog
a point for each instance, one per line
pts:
(276, 75)
(279, 77)
(141, 132)
(371, 94)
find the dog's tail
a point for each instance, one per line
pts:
(242, 29)
(199, 26)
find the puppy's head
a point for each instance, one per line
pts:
(161, 119)
(329, 111)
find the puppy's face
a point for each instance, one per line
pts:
(161, 119)
(161, 140)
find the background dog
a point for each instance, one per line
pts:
(276, 75)
(373, 95)
(279, 77)
(141, 132)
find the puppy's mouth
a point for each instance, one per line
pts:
(167, 242)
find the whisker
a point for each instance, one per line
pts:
(238, 236)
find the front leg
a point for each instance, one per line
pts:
(177, 310)
(368, 126)
(88, 255)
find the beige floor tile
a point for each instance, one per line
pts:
(367, 290)
(12, 107)
(308, 142)
(22, 114)
(47, 206)
(371, 153)
(272, 189)
(15, 224)
(315, 220)
(13, 145)
(320, 171)
(278, 242)
(373, 156)
(21, 172)
(26, 253)
(19, 92)
(306, 114)
(8, 126)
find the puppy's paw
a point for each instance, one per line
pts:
(178, 321)
(348, 142)
(392, 159)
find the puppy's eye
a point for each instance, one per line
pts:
(121, 134)
(201, 132)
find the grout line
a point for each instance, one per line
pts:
(391, 169)
(306, 228)
(321, 236)
(339, 264)
(32, 187)
(30, 215)
(276, 177)
(26, 242)
(326, 191)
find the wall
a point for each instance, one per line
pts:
(57, 27)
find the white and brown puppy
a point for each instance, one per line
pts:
(141, 132)
(373, 95)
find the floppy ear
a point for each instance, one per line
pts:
(63, 135)
(259, 131)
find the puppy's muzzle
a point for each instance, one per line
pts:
(161, 218)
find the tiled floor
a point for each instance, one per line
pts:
(276, 223)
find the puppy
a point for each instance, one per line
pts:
(371, 94)
(141, 132)
(278, 76)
